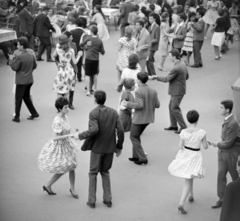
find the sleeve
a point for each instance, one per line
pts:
(168, 78)
(15, 64)
(57, 126)
(203, 134)
(138, 102)
(48, 24)
(227, 204)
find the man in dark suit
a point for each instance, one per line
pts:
(41, 29)
(231, 203)
(26, 25)
(177, 88)
(100, 138)
(77, 34)
(154, 31)
(126, 8)
(146, 100)
(229, 150)
(23, 64)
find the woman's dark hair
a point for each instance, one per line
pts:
(175, 53)
(136, 8)
(100, 97)
(99, 9)
(190, 15)
(60, 103)
(228, 104)
(143, 77)
(192, 3)
(23, 42)
(164, 16)
(84, 22)
(67, 33)
(192, 116)
(133, 61)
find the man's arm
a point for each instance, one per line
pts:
(157, 36)
(138, 102)
(102, 50)
(15, 63)
(122, 12)
(120, 134)
(183, 34)
(198, 26)
(147, 43)
(168, 78)
(49, 25)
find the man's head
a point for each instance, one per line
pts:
(226, 107)
(77, 3)
(222, 3)
(200, 13)
(22, 43)
(181, 18)
(175, 55)
(78, 22)
(93, 29)
(139, 24)
(152, 17)
(100, 97)
(45, 9)
(142, 77)
(152, 7)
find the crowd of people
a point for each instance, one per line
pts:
(174, 29)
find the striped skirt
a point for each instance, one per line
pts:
(188, 42)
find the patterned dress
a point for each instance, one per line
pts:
(188, 163)
(211, 15)
(188, 42)
(58, 156)
(126, 50)
(65, 79)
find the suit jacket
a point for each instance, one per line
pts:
(42, 26)
(23, 64)
(177, 79)
(230, 135)
(77, 34)
(146, 100)
(126, 8)
(198, 33)
(155, 37)
(231, 203)
(165, 7)
(143, 43)
(181, 34)
(26, 22)
(103, 126)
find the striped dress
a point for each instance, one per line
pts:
(188, 42)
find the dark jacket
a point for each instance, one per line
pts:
(155, 37)
(126, 8)
(77, 34)
(26, 22)
(42, 26)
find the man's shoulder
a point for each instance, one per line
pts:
(234, 185)
(233, 121)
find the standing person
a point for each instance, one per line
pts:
(154, 31)
(77, 35)
(54, 22)
(100, 138)
(64, 82)
(100, 19)
(94, 47)
(132, 18)
(146, 100)
(23, 64)
(126, 8)
(58, 155)
(231, 204)
(198, 39)
(219, 34)
(188, 162)
(41, 29)
(211, 15)
(177, 88)
(126, 46)
(143, 43)
(228, 149)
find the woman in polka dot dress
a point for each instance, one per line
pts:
(188, 162)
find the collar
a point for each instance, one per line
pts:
(181, 24)
(152, 25)
(226, 118)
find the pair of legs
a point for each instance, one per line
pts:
(162, 61)
(217, 52)
(187, 191)
(150, 63)
(197, 46)
(91, 82)
(189, 53)
(45, 43)
(55, 177)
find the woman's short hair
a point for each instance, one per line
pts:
(133, 61)
(128, 83)
(228, 104)
(61, 102)
(164, 16)
(100, 97)
(142, 76)
(63, 42)
(128, 31)
(72, 19)
(192, 116)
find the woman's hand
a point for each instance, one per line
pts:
(80, 53)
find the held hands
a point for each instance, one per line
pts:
(118, 153)
(75, 136)
(153, 77)
(80, 53)
(214, 144)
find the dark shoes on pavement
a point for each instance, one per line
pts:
(33, 116)
(50, 60)
(40, 59)
(91, 205)
(17, 120)
(217, 205)
(140, 162)
(171, 128)
(107, 203)
(133, 159)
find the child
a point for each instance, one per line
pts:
(125, 114)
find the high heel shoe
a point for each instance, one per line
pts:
(74, 196)
(191, 199)
(181, 210)
(48, 191)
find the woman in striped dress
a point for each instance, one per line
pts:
(188, 43)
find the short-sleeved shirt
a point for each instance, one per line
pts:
(220, 24)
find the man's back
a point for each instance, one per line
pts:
(77, 34)
(42, 25)
(127, 7)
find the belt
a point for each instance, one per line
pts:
(189, 148)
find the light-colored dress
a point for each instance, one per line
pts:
(55, 35)
(164, 41)
(188, 163)
(211, 15)
(127, 48)
(102, 28)
(188, 42)
(65, 80)
(234, 29)
(59, 156)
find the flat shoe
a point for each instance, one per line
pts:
(91, 205)
(17, 120)
(133, 159)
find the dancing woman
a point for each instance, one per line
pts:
(58, 155)
(188, 162)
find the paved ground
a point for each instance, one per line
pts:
(139, 192)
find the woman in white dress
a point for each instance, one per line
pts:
(188, 162)
(54, 21)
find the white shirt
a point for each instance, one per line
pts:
(228, 117)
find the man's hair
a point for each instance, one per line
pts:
(152, 7)
(133, 61)
(153, 14)
(182, 16)
(23, 42)
(141, 22)
(60, 103)
(143, 77)
(100, 97)
(201, 12)
(128, 83)
(78, 22)
(45, 8)
(228, 104)
(94, 29)
(192, 116)
(175, 53)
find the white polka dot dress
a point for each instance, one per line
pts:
(188, 163)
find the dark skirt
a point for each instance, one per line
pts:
(91, 67)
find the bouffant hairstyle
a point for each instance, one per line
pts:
(128, 83)
(142, 76)
(133, 61)
(228, 104)
(100, 97)
(192, 116)
(64, 42)
(164, 16)
(60, 103)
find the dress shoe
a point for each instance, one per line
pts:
(17, 120)
(133, 159)
(107, 203)
(50, 60)
(40, 59)
(48, 191)
(33, 116)
(171, 128)
(91, 205)
(200, 65)
(73, 195)
(217, 205)
(140, 162)
(71, 106)
(194, 66)
(182, 210)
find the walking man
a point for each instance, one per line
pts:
(100, 138)
(229, 149)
